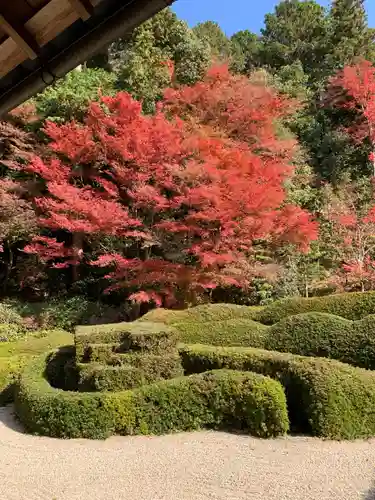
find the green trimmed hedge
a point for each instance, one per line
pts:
(232, 332)
(14, 355)
(325, 397)
(151, 337)
(246, 401)
(128, 371)
(353, 306)
(201, 314)
(326, 335)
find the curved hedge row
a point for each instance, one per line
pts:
(325, 335)
(325, 397)
(232, 332)
(14, 355)
(217, 399)
(203, 313)
(352, 306)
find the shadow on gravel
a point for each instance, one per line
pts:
(370, 495)
(8, 419)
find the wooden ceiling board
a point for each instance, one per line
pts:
(44, 26)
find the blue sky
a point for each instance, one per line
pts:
(235, 15)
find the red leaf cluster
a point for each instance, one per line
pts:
(183, 193)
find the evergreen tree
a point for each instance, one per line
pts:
(350, 37)
(211, 33)
(296, 31)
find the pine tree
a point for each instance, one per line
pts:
(350, 37)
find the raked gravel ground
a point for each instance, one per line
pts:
(187, 466)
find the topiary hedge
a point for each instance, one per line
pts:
(325, 335)
(246, 401)
(231, 332)
(353, 306)
(127, 371)
(151, 337)
(14, 355)
(325, 397)
(201, 314)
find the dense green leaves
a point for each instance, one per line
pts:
(232, 400)
(326, 398)
(69, 98)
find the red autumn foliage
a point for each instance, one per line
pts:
(354, 88)
(353, 236)
(168, 202)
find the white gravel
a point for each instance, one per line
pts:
(187, 466)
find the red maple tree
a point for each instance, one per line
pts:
(169, 202)
(352, 237)
(354, 88)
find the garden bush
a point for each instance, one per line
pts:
(246, 401)
(152, 337)
(325, 397)
(201, 314)
(14, 355)
(10, 332)
(127, 371)
(352, 306)
(326, 335)
(231, 332)
(65, 313)
(9, 315)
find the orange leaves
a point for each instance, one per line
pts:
(181, 195)
(354, 88)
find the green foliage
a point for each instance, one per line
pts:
(66, 313)
(325, 397)
(211, 33)
(325, 335)
(14, 355)
(202, 313)
(9, 315)
(245, 47)
(350, 36)
(10, 332)
(225, 399)
(230, 332)
(128, 371)
(69, 98)
(352, 306)
(296, 32)
(140, 62)
(138, 336)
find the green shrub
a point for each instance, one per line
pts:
(232, 332)
(69, 98)
(10, 332)
(352, 306)
(325, 397)
(200, 314)
(14, 355)
(153, 337)
(128, 371)
(326, 335)
(9, 315)
(225, 399)
(68, 312)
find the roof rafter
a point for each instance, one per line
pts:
(20, 35)
(84, 8)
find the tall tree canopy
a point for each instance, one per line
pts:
(179, 203)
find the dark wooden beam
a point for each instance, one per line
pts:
(20, 35)
(84, 8)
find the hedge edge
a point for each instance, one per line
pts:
(325, 397)
(219, 399)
